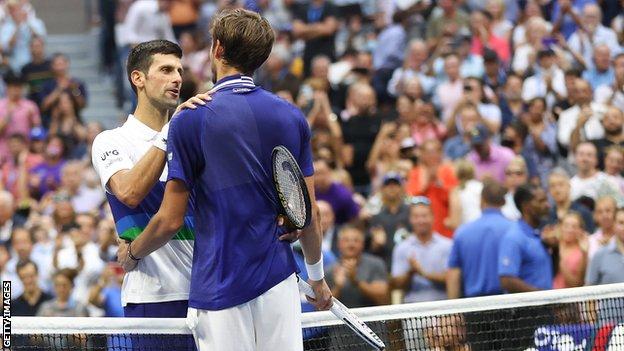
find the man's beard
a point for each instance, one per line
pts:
(163, 105)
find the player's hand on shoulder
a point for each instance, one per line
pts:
(193, 102)
(323, 300)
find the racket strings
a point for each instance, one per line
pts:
(290, 188)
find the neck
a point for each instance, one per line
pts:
(563, 205)
(32, 294)
(530, 221)
(607, 231)
(150, 115)
(586, 173)
(424, 237)
(226, 71)
(393, 205)
(616, 138)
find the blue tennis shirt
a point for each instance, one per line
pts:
(222, 152)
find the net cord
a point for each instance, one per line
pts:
(92, 325)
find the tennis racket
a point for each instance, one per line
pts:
(295, 200)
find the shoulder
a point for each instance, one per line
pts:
(106, 137)
(442, 241)
(404, 245)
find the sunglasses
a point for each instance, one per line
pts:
(517, 173)
(419, 200)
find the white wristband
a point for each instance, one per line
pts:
(315, 271)
(161, 138)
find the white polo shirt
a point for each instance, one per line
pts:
(165, 274)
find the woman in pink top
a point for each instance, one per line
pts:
(18, 115)
(572, 252)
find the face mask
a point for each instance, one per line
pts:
(53, 150)
(508, 143)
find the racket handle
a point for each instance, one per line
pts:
(305, 287)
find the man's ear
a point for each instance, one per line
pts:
(138, 79)
(218, 50)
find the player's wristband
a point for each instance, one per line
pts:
(161, 138)
(315, 271)
(130, 253)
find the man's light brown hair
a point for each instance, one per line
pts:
(247, 39)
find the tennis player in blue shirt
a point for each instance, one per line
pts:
(243, 293)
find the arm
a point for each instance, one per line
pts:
(95, 295)
(453, 283)
(377, 291)
(455, 210)
(315, 30)
(573, 279)
(131, 186)
(515, 285)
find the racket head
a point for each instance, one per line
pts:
(291, 187)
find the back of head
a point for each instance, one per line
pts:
(247, 39)
(523, 195)
(493, 194)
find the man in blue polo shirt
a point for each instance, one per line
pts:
(524, 262)
(473, 263)
(243, 293)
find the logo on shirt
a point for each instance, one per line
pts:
(506, 261)
(170, 156)
(106, 154)
(240, 90)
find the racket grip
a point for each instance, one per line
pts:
(305, 288)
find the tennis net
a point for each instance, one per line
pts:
(588, 318)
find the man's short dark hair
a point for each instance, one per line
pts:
(142, 56)
(23, 264)
(246, 37)
(493, 193)
(524, 194)
(13, 79)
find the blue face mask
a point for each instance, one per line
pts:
(371, 45)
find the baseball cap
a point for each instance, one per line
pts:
(37, 133)
(479, 135)
(392, 177)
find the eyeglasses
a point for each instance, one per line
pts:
(419, 200)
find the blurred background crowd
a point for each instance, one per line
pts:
(462, 147)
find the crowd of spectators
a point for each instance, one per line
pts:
(462, 148)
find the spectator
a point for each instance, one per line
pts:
(414, 65)
(337, 195)
(465, 199)
(52, 90)
(582, 121)
(147, 20)
(548, 80)
(385, 155)
(600, 72)
(15, 169)
(614, 165)
(490, 160)
(566, 15)
(613, 94)
(46, 177)
(501, 26)
(361, 125)
(8, 218)
(393, 218)
(434, 179)
(448, 23)
(516, 175)
(460, 145)
(474, 92)
(572, 252)
(183, 15)
(526, 53)
(106, 293)
(540, 146)
(607, 265)
(604, 216)
(66, 123)
(38, 70)
(495, 74)
(194, 57)
(358, 279)
(524, 263)
(471, 65)
(33, 297)
(84, 199)
(613, 124)
(328, 228)
(316, 23)
(559, 186)
(22, 250)
(277, 76)
(449, 93)
(63, 305)
(425, 125)
(592, 33)
(16, 32)
(419, 262)
(589, 181)
(18, 115)
(473, 268)
(388, 57)
(482, 36)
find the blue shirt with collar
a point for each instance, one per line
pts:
(475, 251)
(222, 152)
(523, 255)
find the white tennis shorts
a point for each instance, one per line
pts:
(270, 322)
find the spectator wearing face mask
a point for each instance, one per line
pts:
(46, 177)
